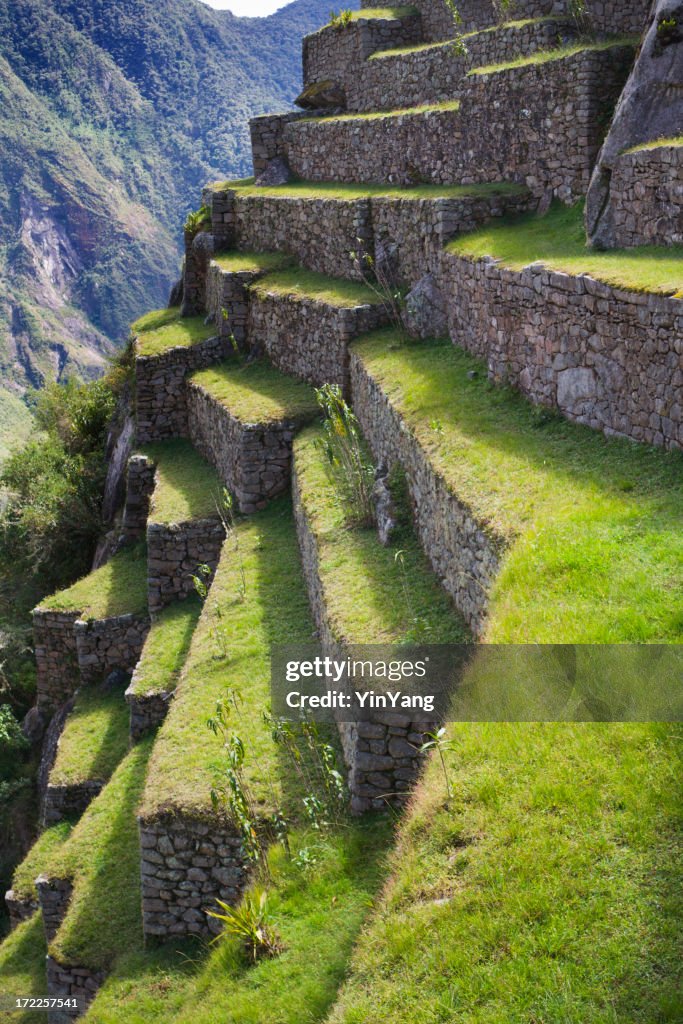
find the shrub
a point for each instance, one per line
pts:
(198, 220)
(351, 470)
(251, 924)
(342, 19)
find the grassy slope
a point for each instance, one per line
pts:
(166, 333)
(257, 598)
(548, 890)
(22, 969)
(562, 52)
(334, 190)
(117, 588)
(102, 855)
(257, 392)
(38, 858)
(166, 647)
(370, 596)
(186, 487)
(377, 115)
(94, 740)
(306, 284)
(559, 241)
(595, 526)
(241, 262)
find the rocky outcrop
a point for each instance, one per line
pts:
(650, 107)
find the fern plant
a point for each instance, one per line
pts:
(198, 220)
(251, 923)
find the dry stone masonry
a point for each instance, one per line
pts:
(646, 193)
(174, 551)
(103, 645)
(606, 357)
(54, 639)
(139, 489)
(68, 801)
(186, 866)
(69, 982)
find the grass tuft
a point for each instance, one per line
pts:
(306, 284)
(186, 487)
(335, 190)
(251, 262)
(548, 56)
(179, 332)
(38, 859)
(94, 739)
(166, 647)
(377, 115)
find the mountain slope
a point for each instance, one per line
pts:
(112, 117)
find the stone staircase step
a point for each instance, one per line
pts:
(183, 527)
(434, 72)
(329, 228)
(190, 853)
(167, 348)
(93, 742)
(357, 594)
(509, 499)
(536, 122)
(304, 322)
(161, 662)
(229, 276)
(243, 418)
(85, 632)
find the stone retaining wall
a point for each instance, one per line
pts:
(69, 982)
(68, 801)
(227, 299)
(253, 460)
(139, 489)
(646, 197)
(186, 865)
(160, 393)
(613, 16)
(198, 251)
(53, 896)
(57, 675)
(606, 357)
(431, 75)
(337, 54)
(381, 752)
(308, 339)
(174, 551)
(539, 125)
(464, 555)
(147, 710)
(105, 644)
(19, 908)
(267, 138)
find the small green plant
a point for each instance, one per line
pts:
(251, 923)
(666, 24)
(342, 445)
(342, 19)
(503, 9)
(200, 579)
(198, 220)
(380, 280)
(578, 11)
(436, 741)
(315, 763)
(417, 631)
(459, 44)
(226, 510)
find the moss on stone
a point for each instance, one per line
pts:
(251, 262)
(38, 859)
(117, 588)
(562, 52)
(257, 392)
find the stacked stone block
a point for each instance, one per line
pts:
(54, 895)
(252, 459)
(174, 550)
(160, 391)
(646, 196)
(187, 865)
(139, 488)
(382, 751)
(306, 338)
(147, 710)
(227, 302)
(71, 982)
(103, 645)
(538, 124)
(57, 674)
(606, 357)
(68, 801)
(19, 908)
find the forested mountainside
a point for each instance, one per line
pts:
(113, 113)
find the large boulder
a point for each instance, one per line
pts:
(276, 173)
(327, 95)
(650, 108)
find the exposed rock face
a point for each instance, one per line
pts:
(384, 506)
(425, 314)
(650, 107)
(326, 95)
(276, 173)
